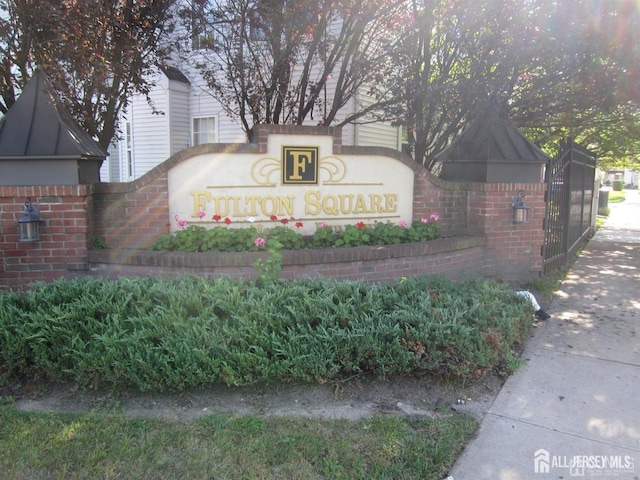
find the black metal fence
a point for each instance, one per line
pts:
(570, 178)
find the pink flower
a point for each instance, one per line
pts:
(227, 220)
(181, 223)
(324, 224)
(360, 225)
(424, 220)
(217, 217)
(260, 242)
(299, 224)
(434, 217)
(402, 223)
(201, 214)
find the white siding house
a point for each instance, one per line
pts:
(148, 137)
(186, 115)
(178, 91)
(375, 134)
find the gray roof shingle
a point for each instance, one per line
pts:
(38, 126)
(492, 137)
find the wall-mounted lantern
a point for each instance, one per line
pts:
(29, 223)
(520, 209)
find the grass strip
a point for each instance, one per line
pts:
(106, 444)
(617, 196)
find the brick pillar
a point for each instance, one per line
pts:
(514, 250)
(66, 234)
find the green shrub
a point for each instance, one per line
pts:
(617, 185)
(221, 239)
(422, 231)
(190, 239)
(355, 236)
(388, 234)
(287, 238)
(98, 244)
(189, 332)
(269, 268)
(323, 237)
(164, 242)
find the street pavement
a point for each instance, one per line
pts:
(573, 409)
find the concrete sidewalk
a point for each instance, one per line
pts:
(573, 410)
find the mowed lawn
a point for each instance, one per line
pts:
(108, 445)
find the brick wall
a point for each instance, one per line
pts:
(131, 215)
(513, 250)
(128, 217)
(454, 257)
(66, 232)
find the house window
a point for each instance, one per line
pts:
(201, 31)
(257, 30)
(204, 130)
(128, 144)
(405, 146)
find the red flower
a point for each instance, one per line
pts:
(227, 220)
(217, 217)
(273, 217)
(299, 224)
(360, 225)
(284, 221)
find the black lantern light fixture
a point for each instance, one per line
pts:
(520, 208)
(29, 223)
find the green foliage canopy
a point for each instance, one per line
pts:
(96, 53)
(559, 67)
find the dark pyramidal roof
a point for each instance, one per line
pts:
(172, 73)
(38, 126)
(492, 137)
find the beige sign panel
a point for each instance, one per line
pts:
(299, 179)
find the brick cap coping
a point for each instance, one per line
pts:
(290, 257)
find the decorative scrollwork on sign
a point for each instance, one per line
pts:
(264, 169)
(335, 168)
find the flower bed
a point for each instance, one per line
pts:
(379, 252)
(278, 234)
